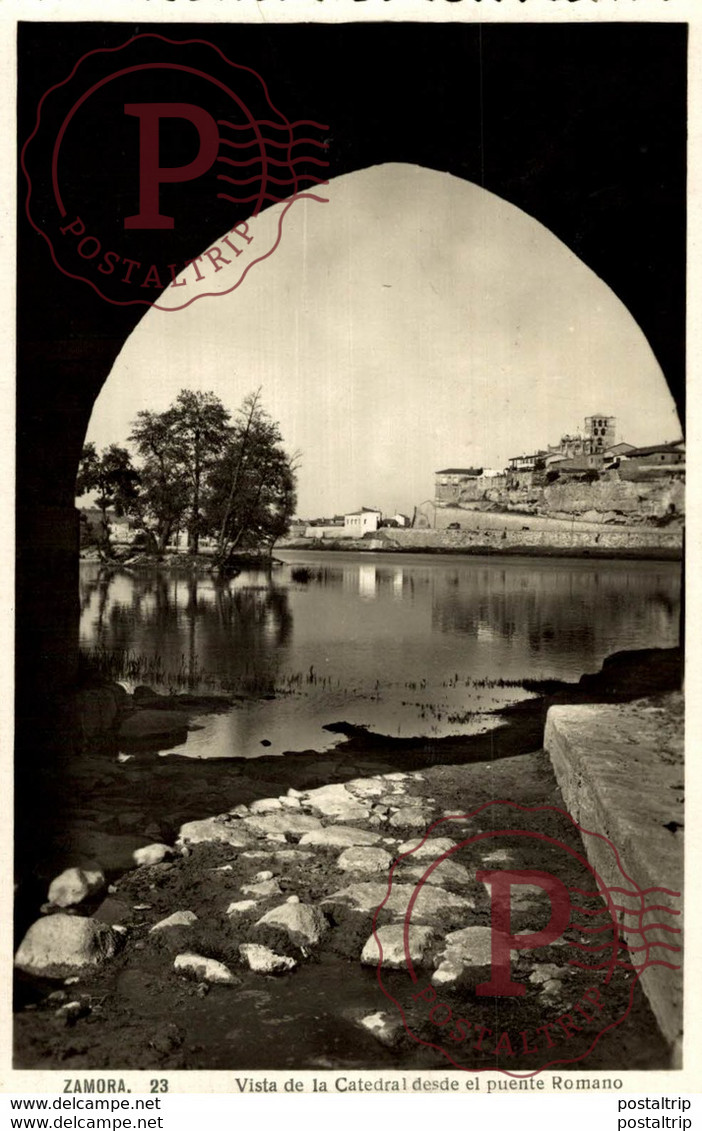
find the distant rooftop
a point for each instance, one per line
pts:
(460, 471)
(675, 446)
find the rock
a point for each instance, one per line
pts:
(74, 885)
(336, 801)
(151, 854)
(205, 969)
(241, 907)
(392, 945)
(289, 802)
(277, 838)
(177, 919)
(142, 725)
(430, 904)
(261, 876)
(72, 1011)
(395, 777)
(265, 805)
(385, 1027)
(411, 817)
(498, 856)
(447, 972)
(545, 973)
(285, 823)
(468, 948)
(56, 997)
(293, 855)
(366, 787)
(364, 860)
(264, 961)
(295, 793)
(60, 941)
(303, 924)
(523, 895)
(430, 849)
(263, 890)
(447, 872)
(214, 830)
(293, 899)
(240, 811)
(338, 836)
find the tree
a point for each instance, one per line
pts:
(251, 488)
(197, 425)
(165, 488)
(115, 481)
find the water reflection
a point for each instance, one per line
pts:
(201, 630)
(404, 645)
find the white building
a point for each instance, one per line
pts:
(365, 521)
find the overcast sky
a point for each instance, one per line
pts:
(413, 322)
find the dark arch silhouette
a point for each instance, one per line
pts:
(581, 126)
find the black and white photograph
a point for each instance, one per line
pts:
(350, 546)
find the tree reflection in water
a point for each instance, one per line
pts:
(203, 629)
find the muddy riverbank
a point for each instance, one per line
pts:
(316, 1015)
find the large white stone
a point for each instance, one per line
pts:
(430, 849)
(58, 941)
(366, 787)
(266, 805)
(74, 885)
(431, 902)
(368, 860)
(392, 943)
(177, 919)
(338, 836)
(468, 948)
(151, 854)
(385, 1027)
(447, 871)
(206, 969)
(285, 823)
(336, 801)
(303, 924)
(215, 830)
(264, 889)
(262, 960)
(241, 906)
(410, 817)
(289, 802)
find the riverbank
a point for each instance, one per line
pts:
(275, 845)
(641, 542)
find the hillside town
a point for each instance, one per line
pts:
(588, 476)
(589, 484)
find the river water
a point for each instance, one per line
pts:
(405, 645)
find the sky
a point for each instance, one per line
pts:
(411, 322)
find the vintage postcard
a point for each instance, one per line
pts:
(352, 356)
